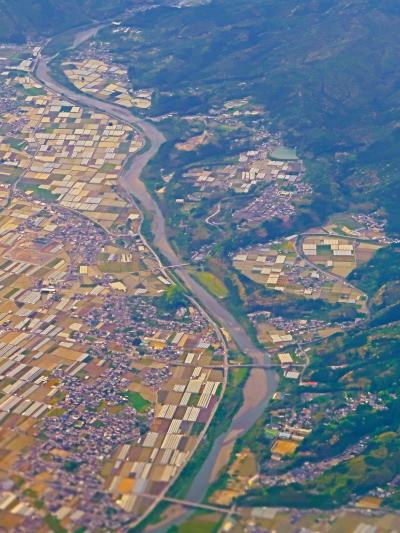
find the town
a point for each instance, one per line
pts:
(88, 391)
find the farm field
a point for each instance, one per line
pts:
(338, 255)
(279, 267)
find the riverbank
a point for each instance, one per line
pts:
(261, 383)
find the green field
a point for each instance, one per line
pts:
(284, 154)
(137, 401)
(42, 194)
(214, 285)
(17, 144)
(200, 522)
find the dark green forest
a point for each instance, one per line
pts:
(326, 71)
(20, 19)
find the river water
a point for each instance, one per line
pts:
(261, 383)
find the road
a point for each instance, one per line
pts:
(194, 505)
(216, 212)
(237, 365)
(262, 381)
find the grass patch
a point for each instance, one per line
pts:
(54, 524)
(35, 91)
(57, 411)
(53, 262)
(11, 293)
(118, 267)
(137, 401)
(107, 167)
(153, 518)
(200, 522)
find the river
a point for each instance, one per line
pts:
(261, 383)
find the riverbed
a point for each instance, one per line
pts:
(261, 383)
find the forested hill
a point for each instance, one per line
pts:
(22, 18)
(326, 70)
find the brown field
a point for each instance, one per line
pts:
(284, 447)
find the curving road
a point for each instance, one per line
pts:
(261, 383)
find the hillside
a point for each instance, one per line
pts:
(20, 19)
(325, 70)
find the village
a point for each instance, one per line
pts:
(310, 267)
(276, 173)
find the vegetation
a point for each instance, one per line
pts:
(376, 467)
(200, 522)
(383, 268)
(137, 401)
(153, 518)
(340, 92)
(42, 194)
(22, 18)
(54, 524)
(361, 361)
(15, 143)
(173, 298)
(212, 284)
